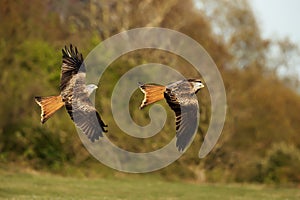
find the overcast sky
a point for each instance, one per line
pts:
(278, 18)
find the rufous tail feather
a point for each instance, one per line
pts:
(49, 105)
(152, 93)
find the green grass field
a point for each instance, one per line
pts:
(45, 186)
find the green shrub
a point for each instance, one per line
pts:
(281, 164)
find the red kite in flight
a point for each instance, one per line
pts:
(179, 96)
(74, 96)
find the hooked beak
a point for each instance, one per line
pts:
(199, 85)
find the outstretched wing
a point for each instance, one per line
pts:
(86, 118)
(75, 95)
(72, 65)
(184, 103)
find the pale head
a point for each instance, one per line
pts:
(90, 88)
(197, 84)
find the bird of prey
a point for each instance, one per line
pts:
(74, 96)
(180, 97)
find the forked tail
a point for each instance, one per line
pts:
(152, 93)
(49, 105)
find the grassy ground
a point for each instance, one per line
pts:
(45, 186)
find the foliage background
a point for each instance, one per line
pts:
(259, 143)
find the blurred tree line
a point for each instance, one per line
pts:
(260, 141)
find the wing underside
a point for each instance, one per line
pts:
(87, 119)
(185, 107)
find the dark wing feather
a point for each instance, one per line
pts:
(72, 64)
(87, 119)
(185, 105)
(75, 96)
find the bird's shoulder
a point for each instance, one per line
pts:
(180, 92)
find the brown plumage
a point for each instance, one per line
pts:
(179, 96)
(74, 96)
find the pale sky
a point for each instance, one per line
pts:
(278, 18)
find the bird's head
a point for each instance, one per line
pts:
(90, 88)
(197, 84)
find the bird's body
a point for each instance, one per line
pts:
(74, 96)
(180, 97)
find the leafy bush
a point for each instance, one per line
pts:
(281, 164)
